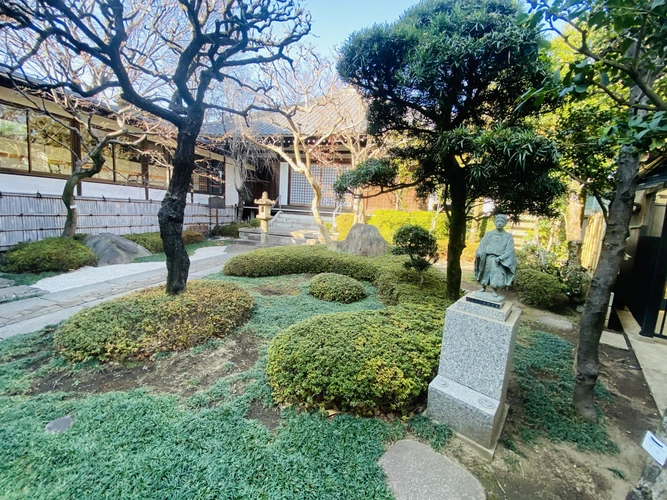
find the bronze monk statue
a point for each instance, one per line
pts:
(495, 260)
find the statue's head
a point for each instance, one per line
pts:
(500, 221)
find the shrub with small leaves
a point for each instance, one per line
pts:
(147, 322)
(334, 287)
(50, 254)
(153, 241)
(537, 288)
(357, 362)
(419, 245)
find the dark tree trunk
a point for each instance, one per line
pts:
(79, 173)
(595, 309)
(457, 232)
(171, 213)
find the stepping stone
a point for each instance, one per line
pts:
(612, 339)
(416, 472)
(557, 323)
(60, 424)
(17, 292)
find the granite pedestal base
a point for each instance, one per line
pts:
(475, 363)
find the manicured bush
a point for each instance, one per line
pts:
(255, 222)
(334, 287)
(395, 283)
(537, 288)
(357, 362)
(50, 254)
(419, 245)
(144, 323)
(153, 242)
(388, 222)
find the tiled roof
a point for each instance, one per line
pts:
(346, 105)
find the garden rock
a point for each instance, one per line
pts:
(364, 240)
(113, 249)
(61, 424)
(556, 323)
(416, 472)
(18, 292)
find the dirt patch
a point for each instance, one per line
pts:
(270, 417)
(558, 471)
(274, 290)
(180, 373)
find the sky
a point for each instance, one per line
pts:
(335, 20)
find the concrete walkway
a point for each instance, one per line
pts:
(29, 315)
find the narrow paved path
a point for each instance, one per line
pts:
(76, 291)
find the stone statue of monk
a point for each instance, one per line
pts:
(495, 260)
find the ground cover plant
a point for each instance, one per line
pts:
(47, 255)
(27, 279)
(336, 287)
(190, 248)
(150, 321)
(153, 242)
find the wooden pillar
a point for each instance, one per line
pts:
(144, 167)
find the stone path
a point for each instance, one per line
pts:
(416, 472)
(29, 315)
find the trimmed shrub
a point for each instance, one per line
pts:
(50, 254)
(389, 221)
(357, 361)
(334, 287)
(255, 222)
(153, 242)
(144, 323)
(537, 288)
(419, 245)
(396, 285)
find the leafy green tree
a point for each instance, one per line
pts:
(419, 245)
(628, 65)
(444, 73)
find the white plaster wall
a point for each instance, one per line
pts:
(31, 185)
(284, 183)
(231, 195)
(97, 190)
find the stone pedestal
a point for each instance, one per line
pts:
(475, 364)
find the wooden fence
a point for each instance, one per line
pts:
(26, 217)
(592, 244)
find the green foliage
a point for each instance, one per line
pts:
(153, 242)
(418, 244)
(148, 446)
(543, 364)
(23, 358)
(388, 222)
(334, 287)
(372, 172)
(27, 278)
(254, 222)
(48, 255)
(190, 249)
(537, 288)
(150, 321)
(356, 362)
(438, 435)
(396, 285)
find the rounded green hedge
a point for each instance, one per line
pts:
(395, 284)
(357, 362)
(143, 323)
(537, 288)
(334, 287)
(153, 241)
(50, 254)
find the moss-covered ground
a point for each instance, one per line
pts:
(223, 437)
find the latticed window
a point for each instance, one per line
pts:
(302, 194)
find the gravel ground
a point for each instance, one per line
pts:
(91, 275)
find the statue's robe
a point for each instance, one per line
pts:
(495, 244)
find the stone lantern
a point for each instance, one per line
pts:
(264, 216)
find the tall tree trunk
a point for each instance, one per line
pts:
(573, 222)
(595, 309)
(457, 232)
(475, 223)
(171, 213)
(315, 206)
(359, 206)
